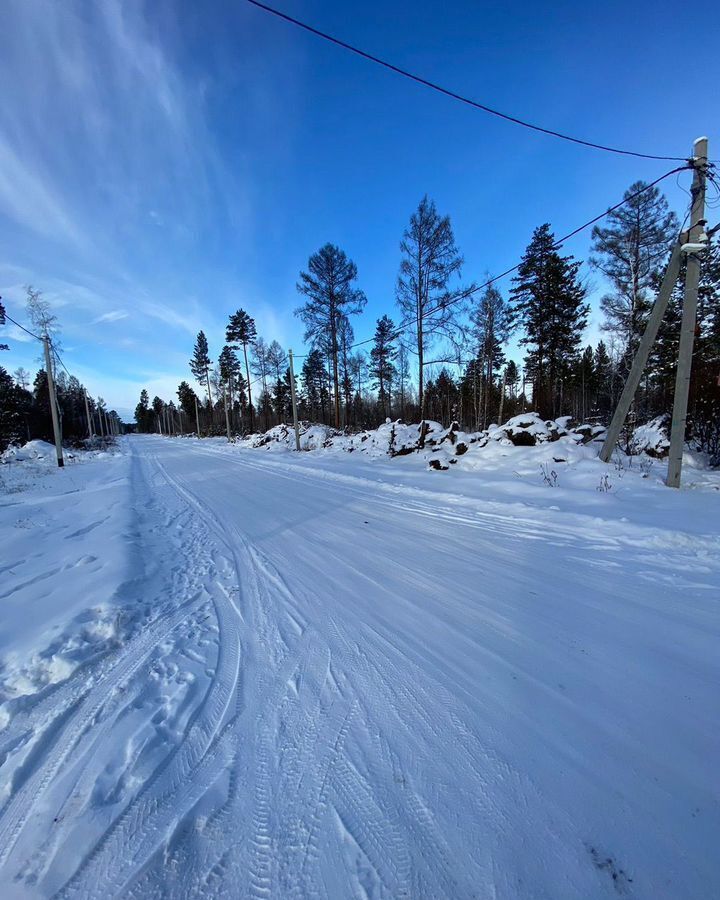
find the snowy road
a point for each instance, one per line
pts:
(354, 688)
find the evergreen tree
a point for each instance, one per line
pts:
(491, 324)
(471, 394)
(314, 379)
(158, 407)
(282, 400)
(346, 336)
(329, 287)
(586, 385)
(229, 371)
(200, 363)
(187, 397)
(549, 303)
(241, 330)
(430, 259)
(512, 378)
(261, 369)
(604, 375)
(630, 250)
(12, 426)
(382, 358)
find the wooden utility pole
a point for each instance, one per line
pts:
(294, 401)
(53, 403)
(197, 417)
(692, 250)
(87, 413)
(641, 356)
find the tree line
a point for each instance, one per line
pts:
(445, 356)
(25, 401)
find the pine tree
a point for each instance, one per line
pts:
(346, 337)
(549, 303)
(261, 369)
(382, 358)
(491, 324)
(241, 330)
(314, 379)
(200, 363)
(11, 404)
(604, 398)
(512, 377)
(282, 397)
(329, 287)
(471, 394)
(586, 384)
(229, 372)
(430, 259)
(187, 397)
(630, 250)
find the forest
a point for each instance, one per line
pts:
(25, 401)
(470, 352)
(467, 351)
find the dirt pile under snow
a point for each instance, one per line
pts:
(441, 445)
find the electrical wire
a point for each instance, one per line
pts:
(453, 94)
(59, 359)
(404, 325)
(27, 331)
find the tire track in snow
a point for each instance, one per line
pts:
(129, 841)
(77, 719)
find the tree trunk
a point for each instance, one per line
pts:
(247, 375)
(336, 381)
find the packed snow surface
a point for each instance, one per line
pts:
(230, 673)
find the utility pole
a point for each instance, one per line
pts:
(87, 413)
(197, 417)
(53, 403)
(643, 352)
(697, 242)
(294, 401)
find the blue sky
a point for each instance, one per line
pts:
(163, 163)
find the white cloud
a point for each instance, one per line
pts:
(115, 315)
(27, 197)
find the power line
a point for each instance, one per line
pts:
(558, 243)
(453, 94)
(59, 359)
(36, 336)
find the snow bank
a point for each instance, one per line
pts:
(32, 450)
(653, 438)
(44, 454)
(443, 444)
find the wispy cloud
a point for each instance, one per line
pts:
(99, 129)
(115, 196)
(28, 198)
(115, 315)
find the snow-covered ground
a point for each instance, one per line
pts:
(229, 672)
